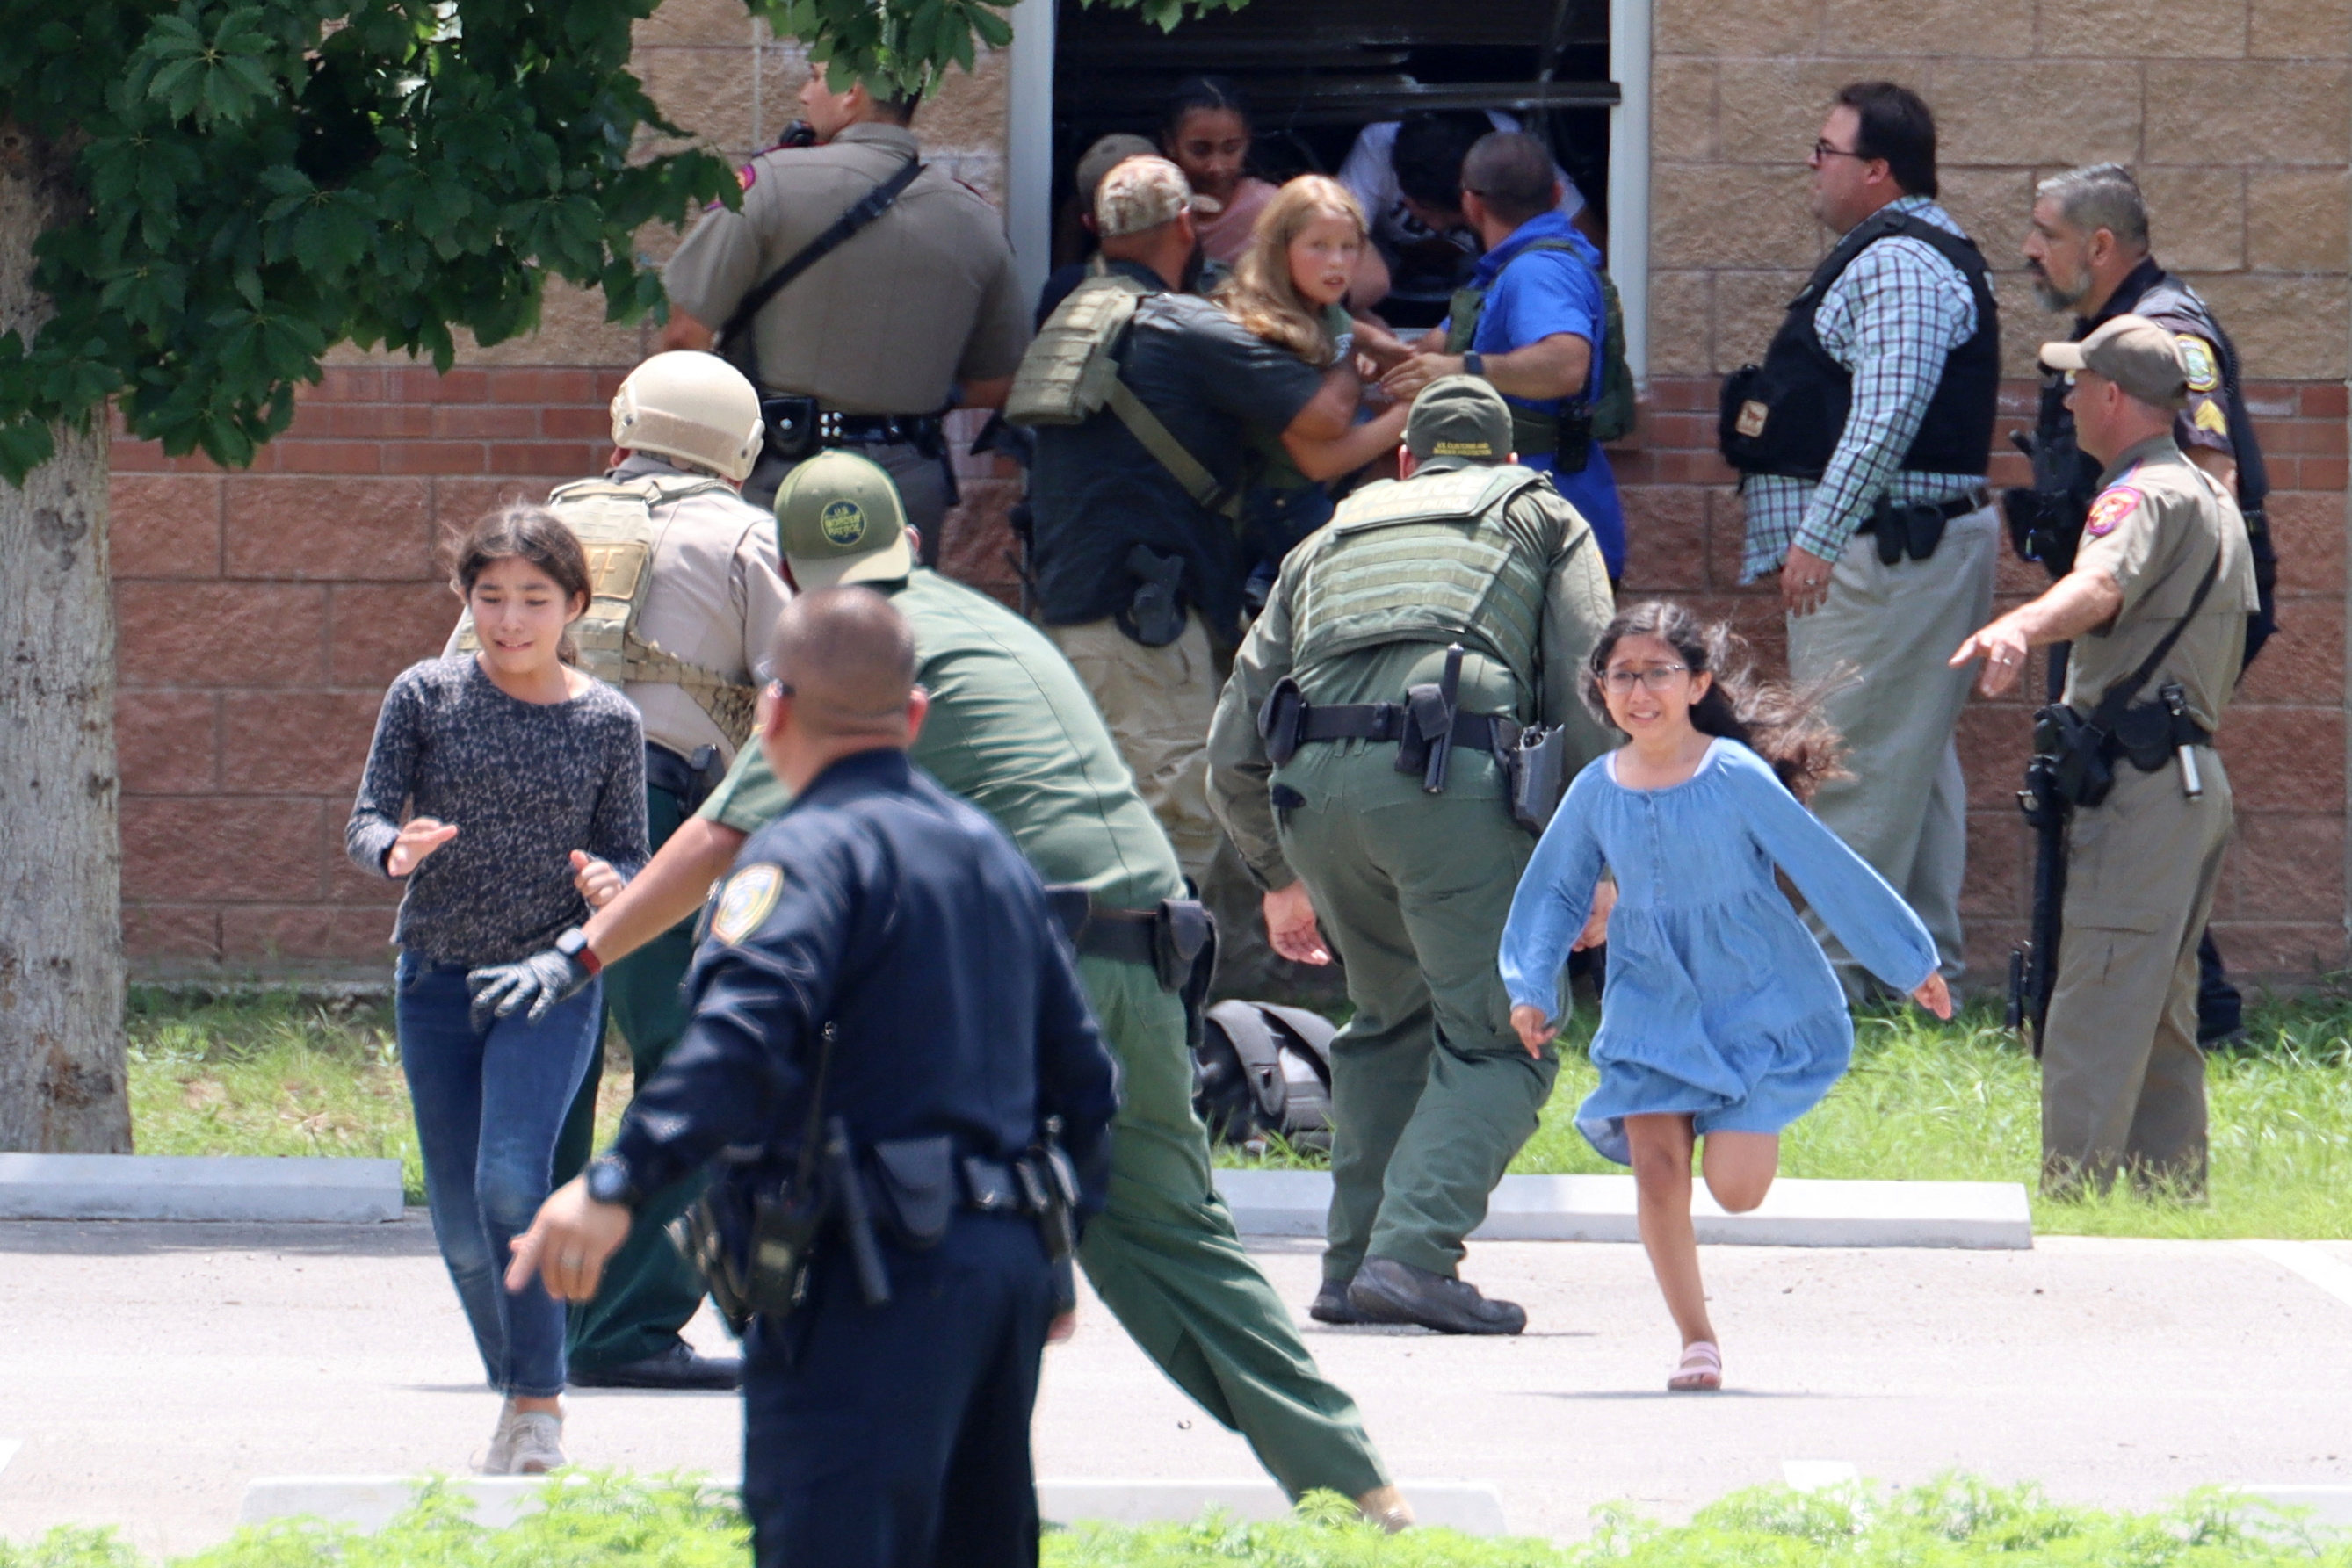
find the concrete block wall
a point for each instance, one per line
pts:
(264, 612)
(2236, 116)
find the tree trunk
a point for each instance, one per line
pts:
(62, 1086)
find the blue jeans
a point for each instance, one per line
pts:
(489, 1103)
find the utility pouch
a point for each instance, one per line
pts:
(1155, 616)
(1180, 932)
(2144, 734)
(1571, 444)
(791, 427)
(1282, 721)
(915, 1189)
(1912, 528)
(1536, 772)
(1427, 717)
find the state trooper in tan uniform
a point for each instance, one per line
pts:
(2155, 607)
(688, 591)
(914, 312)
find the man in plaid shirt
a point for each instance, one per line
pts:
(1899, 326)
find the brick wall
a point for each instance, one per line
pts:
(263, 612)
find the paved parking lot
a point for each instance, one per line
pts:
(149, 1371)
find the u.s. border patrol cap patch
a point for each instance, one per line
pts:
(2197, 362)
(2112, 507)
(745, 902)
(842, 522)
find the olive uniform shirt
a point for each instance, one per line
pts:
(2153, 529)
(998, 735)
(917, 300)
(715, 594)
(1577, 608)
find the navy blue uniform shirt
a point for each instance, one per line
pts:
(880, 904)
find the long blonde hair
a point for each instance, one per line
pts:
(1260, 295)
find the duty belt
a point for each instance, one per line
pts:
(1169, 937)
(1392, 721)
(799, 426)
(1916, 527)
(690, 779)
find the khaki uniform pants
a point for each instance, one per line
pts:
(1903, 809)
(1165, 1260)
(1158, 702)
(1432, 1093)
(2123, 1084)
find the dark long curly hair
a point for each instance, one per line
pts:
(1775, 720)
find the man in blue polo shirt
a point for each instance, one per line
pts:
(1533, 322)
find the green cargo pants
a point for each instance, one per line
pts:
(648, 1290)
(1432, 1092)
(1164, 1258)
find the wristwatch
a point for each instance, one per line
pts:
(1474, 363)
(609, 1181)
(573, 945)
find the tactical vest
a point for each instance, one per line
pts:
(620, 525)
(2068, 470)
(1610, 413)
(1785, 416)
(1425, 560)
(1071, 373)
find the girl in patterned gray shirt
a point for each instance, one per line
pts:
(519, 770)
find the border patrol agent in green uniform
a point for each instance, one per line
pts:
(687, 591)
(1010, 729)
(2156, 605)
(1331, 783)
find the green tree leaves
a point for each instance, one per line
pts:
(266, 178)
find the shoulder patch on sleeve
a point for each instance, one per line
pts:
(745, 902)
(2198, 362)
(2113, 505)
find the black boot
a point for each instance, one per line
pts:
(1387, 1292)
(679, 1367)
(1332, 1306)
(2220, 1011)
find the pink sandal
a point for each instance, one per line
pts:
(1701, 1371)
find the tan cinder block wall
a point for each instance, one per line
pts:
(2237, 115)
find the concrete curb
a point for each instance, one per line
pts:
(1956, 1214)
(370, 1502)
(208, 1187)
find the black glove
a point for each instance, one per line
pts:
(542, 980)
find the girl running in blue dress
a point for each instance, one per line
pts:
(1720, 1018)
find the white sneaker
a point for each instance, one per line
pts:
(535, 1445)
(500, 1460)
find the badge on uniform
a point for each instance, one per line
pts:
(1752, 415)
(2196, 362)
(744, 903)
(2209, 416)
(2112, 507)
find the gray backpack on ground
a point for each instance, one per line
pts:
(1263, 1068)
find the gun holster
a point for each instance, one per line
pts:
(1155, 616)
(1536, 772)
(1912, 528)
(1282, 721)
(791, 427)
(2073, 753)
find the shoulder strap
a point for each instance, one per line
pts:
(2119, 695)
(863, 210)
(1162, 442)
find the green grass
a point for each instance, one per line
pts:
(272, 1073)
(1954, 1522)
(1961, 1101)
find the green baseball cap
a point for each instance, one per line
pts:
(1462, 418)
(839, 519)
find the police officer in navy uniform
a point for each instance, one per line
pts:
(2088, 249)
(882, 980)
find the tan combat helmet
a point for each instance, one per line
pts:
(839, 520)
(694, 407)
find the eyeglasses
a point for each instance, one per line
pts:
(1657, 677)
(1822, 149)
